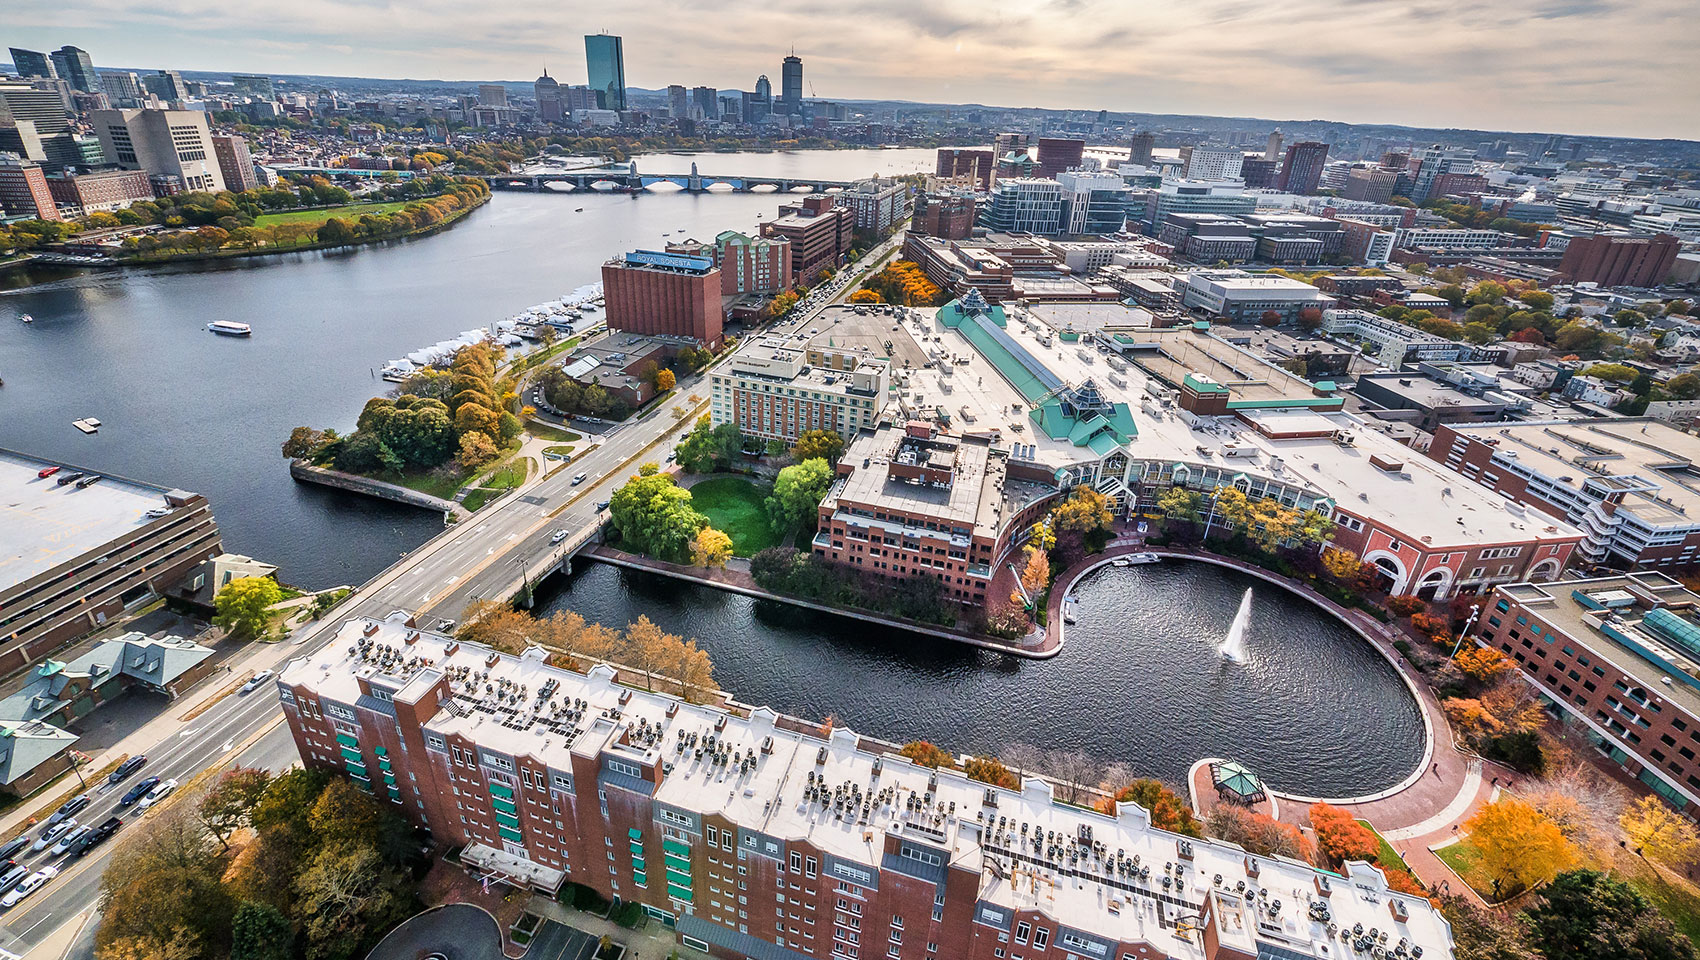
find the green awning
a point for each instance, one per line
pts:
(1234, 777)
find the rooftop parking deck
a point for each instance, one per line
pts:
(44, 523)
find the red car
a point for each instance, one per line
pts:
(50, 471)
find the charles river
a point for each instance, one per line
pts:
(1139, 681)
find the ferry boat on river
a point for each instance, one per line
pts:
(230, 328)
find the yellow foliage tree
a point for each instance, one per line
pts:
(1660, 833)
(666, 380)
(1340, 564)
(710, 548)
(1519, 847)
(865, 296)
(1084, 510)
(1483, 663)
(1036, 572)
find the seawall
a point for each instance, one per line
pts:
(305, 472)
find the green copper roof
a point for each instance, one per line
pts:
(1234, 777)
(1203, 386)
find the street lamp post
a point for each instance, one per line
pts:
(1475, 610)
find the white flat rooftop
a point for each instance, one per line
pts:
(43, 524)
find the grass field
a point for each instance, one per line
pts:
(736, 506)
(543, 431)
(1465, 861)
(1676, 898)
(351, 211)
(1388, 857)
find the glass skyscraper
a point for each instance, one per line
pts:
(605, 60)
(31, 63)
(791, 84)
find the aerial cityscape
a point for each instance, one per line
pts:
(847, 483)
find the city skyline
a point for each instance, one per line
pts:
(1475, 66)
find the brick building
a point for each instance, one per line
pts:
(101, 192)
(760, 265)
(1057, 154)
(1620, 655)
(1301, 171)
(755, 834)
(948, 216)
(663, 294)
(1620, 260)
(820, 233)
(23, 190)
(961, 162)
(234, 162)
(779, 387)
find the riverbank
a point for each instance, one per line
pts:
(305, 472)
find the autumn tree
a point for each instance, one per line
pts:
(648, 648)
(818, 444)
(1659, 832)
(496, 624)
(665, 380)
(1484, 664)
(926, 754)
(229, 803)
(710, 548)
(1340, 836)
(1168, 811)
(1035, 572)
(865, 296)
(1518, 847)
(654, 516)
(1084, 510)
(241, 606)
(989, 770)
(1341, 565)
(1257, 832)
(260, 931)
(162, 886)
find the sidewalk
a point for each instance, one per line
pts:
(654, 942)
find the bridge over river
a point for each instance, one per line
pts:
(626, 178)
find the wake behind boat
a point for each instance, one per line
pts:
(230, 328)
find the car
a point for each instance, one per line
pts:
(17, 845)
(96, 836)
(138, 791)
(31, 884)
(256, 680)
(602, 505)
(558, 536)
(46, 472)
(69, 807)
(11, 875)
(157, 794)
(51, 834)
(447, 626)
(69, 840)
(126, 768)
(580, 478)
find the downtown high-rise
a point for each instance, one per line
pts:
(605, 63)
(791, 84)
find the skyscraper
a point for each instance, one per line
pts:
(1273, 150)
(548, 93)
(678, 100)
(764, 88)
(791, 84)
(175, 145)
(122, 88)
(605, 60)
(705, 101)
(492, 95)
(166, 85)
(1437, 160)
(235, 163)
(1302, 170)
(76, 68)
(253, 85)
(1140, 152)
(31, 63)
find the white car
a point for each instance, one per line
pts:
(52, 834)
(579, 479)
(31, 884)
(255, 681)
(68, 840)
(558, 536)
(156, 794)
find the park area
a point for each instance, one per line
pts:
(738, 507)
(352, 211)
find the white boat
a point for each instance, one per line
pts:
(1143, 558)
(26, 318)
(398, 370)
(230, 328)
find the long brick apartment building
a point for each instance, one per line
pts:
(820, 233)
(757, 835)
(664, 294)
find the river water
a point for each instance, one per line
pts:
(1138, 682)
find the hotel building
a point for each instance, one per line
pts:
(757, 835)
(665, 295)
(828, 377)
(820, 233)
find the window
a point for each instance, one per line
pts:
(1023, 930)
(627, 769)
(1041, 937)
(796, 862)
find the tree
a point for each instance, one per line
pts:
(865, 296)
(665, 380)
(926, 754)
(1270, 318)
(344, 815)
(1615, 372)
(1479, 934)
(1179, 503)
(260, 931)
(230, 801)
(335, 231)
(286, 803)
(1084, 510)
(711, 548)
(476, 450)
(1486, 292)
(708, 448)
(1310, 319)
(162, 883)
(1258, 833)
(303, 442)
(818, 445)
(496, 624)
(344, 892)
(1340, 836)
(649, 648)
(241, 605)
(1341, 565)
(1659, 832)
(989, 770)
(1586, 915)
(1035, 572)
(1168, 811)
(1519, 847)
(654, 516)
(1683, 386)
(798, 491)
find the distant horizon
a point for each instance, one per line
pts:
(1475, 67)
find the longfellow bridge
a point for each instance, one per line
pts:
(627, 179)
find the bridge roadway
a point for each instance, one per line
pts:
(481, 557)
(627, 178)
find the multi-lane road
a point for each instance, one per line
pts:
(484, 556)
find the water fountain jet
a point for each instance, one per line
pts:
(1233, 645)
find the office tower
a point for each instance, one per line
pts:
(791, 84)
(1024, 205)
(235, 164)
(1093, 203)
(122, 88)
(605, 60)
(678, 100)
(1212, 163)
(704, 100)
(166, 85)
(1273, 150)
(1436, 160)
(548, 93)
(31, 63)
(74, 67)
(664, 294)
(492, 95)
(1374, 184)
(1005, 144)
(820, 232)
(23, 189)
(253, 85)
(1257, 172)
(1302, 170)
(1057, 154)
(33, 125)
(764, 89)
(166, 143)
(1140, 152)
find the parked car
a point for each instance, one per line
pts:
(256, 680)
(96, 836)
(157, 794)
(51, 834)
(138, 791)
(31, 884)
(126, 768)
(68, 841)
(12, 874)
(69, 807)
(447, 626)
(15, 847)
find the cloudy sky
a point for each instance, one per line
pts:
(1607, 67)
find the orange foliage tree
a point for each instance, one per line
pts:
(1168, 810)
(926, 754)
(903, 282)
(1340, 836)
(988, 770)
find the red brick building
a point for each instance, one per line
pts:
(234, 162)
(664, 294)
(977, 165)
(1455, 184)
(948, 216)
(1057, 154)
(23, 190)
(820, 233)
(1620, 260)
(103, 191)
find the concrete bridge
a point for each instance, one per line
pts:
(627, 179)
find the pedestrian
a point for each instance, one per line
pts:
(1437, 770)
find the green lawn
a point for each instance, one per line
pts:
(441, 481)
(1387, 857)
(1677, 900)
(558, 450)
(736, 506)
(1465, 861)
(543, 431)
(351, 211)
